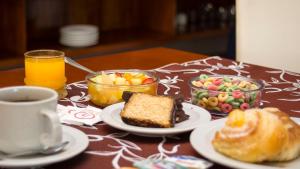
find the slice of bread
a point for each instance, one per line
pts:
(149, 111)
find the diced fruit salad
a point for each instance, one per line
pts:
(127, 78)
(224, 93)
(107, 88)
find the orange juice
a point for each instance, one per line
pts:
(45, 69)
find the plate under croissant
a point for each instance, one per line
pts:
(201, 139)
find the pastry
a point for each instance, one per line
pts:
(258, 135)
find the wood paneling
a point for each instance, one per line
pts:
(159, 15)
(44, 18)
(12, 27)
(119, 14)
(83, 12)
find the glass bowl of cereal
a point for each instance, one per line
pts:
(106, 87)
(223, 93)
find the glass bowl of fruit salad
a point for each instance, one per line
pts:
(223, 93)
(106, 87)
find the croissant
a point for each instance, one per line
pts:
(258, 135)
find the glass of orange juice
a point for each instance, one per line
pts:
(46, 68)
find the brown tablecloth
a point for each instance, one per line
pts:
(112, 148)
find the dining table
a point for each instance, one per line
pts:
(114, 148)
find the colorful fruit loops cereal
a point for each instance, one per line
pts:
(224, 93)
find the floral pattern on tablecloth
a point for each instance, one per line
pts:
(282, 89)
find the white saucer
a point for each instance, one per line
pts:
(78, 143)
(79, 30)
(198, 115)
(201, 139)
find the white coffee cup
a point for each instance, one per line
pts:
(28, 119)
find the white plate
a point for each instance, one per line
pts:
(80, 38)
(78, 43)
(201, 139)
(79, 29)
(198, 115)
(78, 143)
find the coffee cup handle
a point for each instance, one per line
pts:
(54, 136)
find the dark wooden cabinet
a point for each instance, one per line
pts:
(30, 24)
(35, 24)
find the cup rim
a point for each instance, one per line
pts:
(28, 54)
(53, 97)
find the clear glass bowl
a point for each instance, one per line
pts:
(103, 94)
(224, 99)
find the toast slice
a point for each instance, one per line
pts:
(149, 111)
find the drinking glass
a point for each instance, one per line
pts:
(46, 68)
